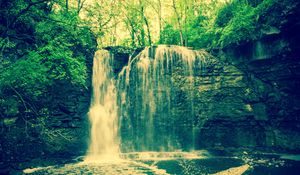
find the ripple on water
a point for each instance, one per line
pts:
(130, 163)
(109, 168)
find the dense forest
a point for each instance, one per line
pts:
(47, 46)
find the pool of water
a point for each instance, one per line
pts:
(196, 163)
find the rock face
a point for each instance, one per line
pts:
(272, 100)
(271, 97)
(250, 104)
(271, 66)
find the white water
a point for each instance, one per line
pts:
(146, 89)
(104, 142)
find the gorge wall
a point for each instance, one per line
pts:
(273, 62)
(233, 107)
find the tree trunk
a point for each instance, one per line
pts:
(142, 22)
(179, 22)
(186, 9)
(148, 30)
(132, 31)
(67, 5)
(115, 32)
(159, 20)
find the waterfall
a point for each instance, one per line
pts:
(103, 111)
(147, 90)
(150, 104)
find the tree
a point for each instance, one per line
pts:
(179, 21)
(41, 47)
(102, 17)
(159, 13)
(67, 5)
(145, 20)
(136, 21)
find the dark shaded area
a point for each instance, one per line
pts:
(291, 168)
(45, 85)
(199, 166)
(272, 62)
(121, 56)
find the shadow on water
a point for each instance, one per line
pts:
(274, 164)
(290, 168)
(198, 166)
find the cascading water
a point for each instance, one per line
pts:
(103, 111)
(150, 117)
(145, 93)
(146, 97)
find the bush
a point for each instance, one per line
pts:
(238, 21)
(224, 15)
(242, 26)
(56, 52)
(169, 35)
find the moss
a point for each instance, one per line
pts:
(9, 121)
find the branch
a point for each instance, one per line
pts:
(80, 5)
(62, 22)
(20, 96)
(107, 21)
(24, 102)
(21, 37)
(22, 12)
(25, 10)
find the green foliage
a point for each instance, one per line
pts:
(25, 75)
(169, 35)
(242, 26)
(224, 15)
(250, 23)
(60, 64)
(240, 21)
(10, 106)
(64, 39)
(201, 34)
(56, 44)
